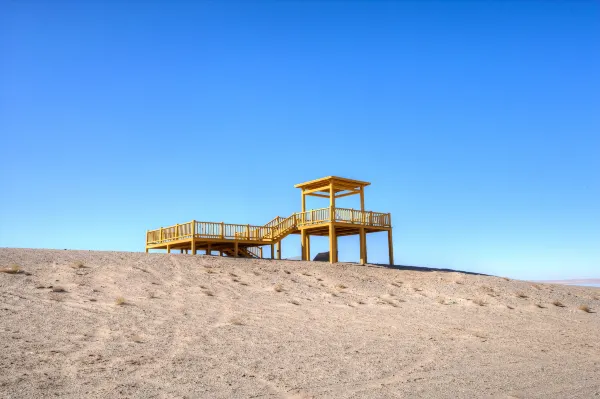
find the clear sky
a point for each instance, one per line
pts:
(478, 124)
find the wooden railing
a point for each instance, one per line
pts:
(276, 220)
(273, 231)
(214, 230)
(284, 227)
(343, 215)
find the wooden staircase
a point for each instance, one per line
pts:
(250, 252)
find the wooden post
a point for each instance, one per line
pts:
(391, 247)
(332, 236)
(308, 247)
(220, 253)
(331, 203)
(222, 230)
(193, 246)
(272, 251)
(168, 249)
(235, 249)
(181, 251)
(332, 244)
(177, 231)
(279, 250)
(248, 232)
(362, 198)
(161, 234)
(390, 243)
(363, 246)
(303, 243)
(208, 251)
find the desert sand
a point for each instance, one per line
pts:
(113, 324)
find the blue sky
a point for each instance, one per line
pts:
(478, 124)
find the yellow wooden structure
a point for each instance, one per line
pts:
(244, 240)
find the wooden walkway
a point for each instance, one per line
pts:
(245, 240)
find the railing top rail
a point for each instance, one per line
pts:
(213, 223)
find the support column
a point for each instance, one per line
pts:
(208, 251)
(391, 247)
(272, 251)
(146, 249)
(303, 208)
(279, 250)
(303, 244)
(332, 244)
(168, 249)
(220, 253)
(181, 250)
(331, 203)
(193, 247)
(308, 247)
(362, 199)
(235, 249)
(332, 234)
(363, 246)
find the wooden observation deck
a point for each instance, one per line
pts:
(244, 240)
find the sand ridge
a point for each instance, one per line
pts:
(204, 326)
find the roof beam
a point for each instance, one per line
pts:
(353, 192)
(324, 189)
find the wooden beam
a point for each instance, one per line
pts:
(272, 251)
(278, 249)
(193, 247)
(324, 189)
(308, 247)
(347, 194)
(319, 195)
(235, 249)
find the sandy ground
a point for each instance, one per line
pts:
(210, 327)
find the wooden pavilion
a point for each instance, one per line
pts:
(244, 240)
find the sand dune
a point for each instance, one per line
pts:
(210, 327)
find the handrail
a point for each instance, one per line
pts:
(276, 220)
(343, 215)
(271, 232)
